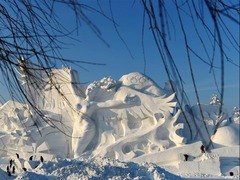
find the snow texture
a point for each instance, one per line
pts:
(130, 122)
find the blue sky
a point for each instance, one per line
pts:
(129, 18)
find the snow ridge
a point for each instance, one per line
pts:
(97, 168)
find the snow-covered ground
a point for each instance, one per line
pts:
(98, 168)
(103, 168)
(125, 129)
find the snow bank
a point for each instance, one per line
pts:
(230, 134)
(98, 168)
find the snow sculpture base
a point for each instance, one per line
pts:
(149, 136)
(207, 166)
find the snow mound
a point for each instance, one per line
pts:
(230, 134)
(98, 168)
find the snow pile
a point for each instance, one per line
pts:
(230, 134)
(97, 168)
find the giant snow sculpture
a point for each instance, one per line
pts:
(120, 119)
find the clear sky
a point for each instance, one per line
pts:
(128, 16)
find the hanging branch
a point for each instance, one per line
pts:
(157, 35)
(31, 29)
(192, 75)
(214, 14)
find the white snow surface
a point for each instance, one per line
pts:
(97, 168)
(124, 129)
(103, 168)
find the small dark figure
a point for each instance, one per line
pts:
(11, 163)
(31, 158)
(17, 155)
(41, 159)
(24, 169)
(13, 169)
(202, 149)
(186, 157)
(8, 171)
(231, 173)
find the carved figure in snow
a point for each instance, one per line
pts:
(105, 114)
(120, 119)
(84, 127)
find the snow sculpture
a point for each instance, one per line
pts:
(236, 115)
(230, 132)
(84, 127)
(112, 112)
(12, 133)
(197, 123)
(215, 100)
(121, 119)
(203, 124)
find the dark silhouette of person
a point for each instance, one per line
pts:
(41, 159)
(8, 171)
(11, 163)
(186, 157)
(202, 149)
(31, 158)
(25, 169)
(13, 169)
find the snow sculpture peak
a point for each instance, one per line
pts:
(215, 100)
(236, 115)
(122, 119)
